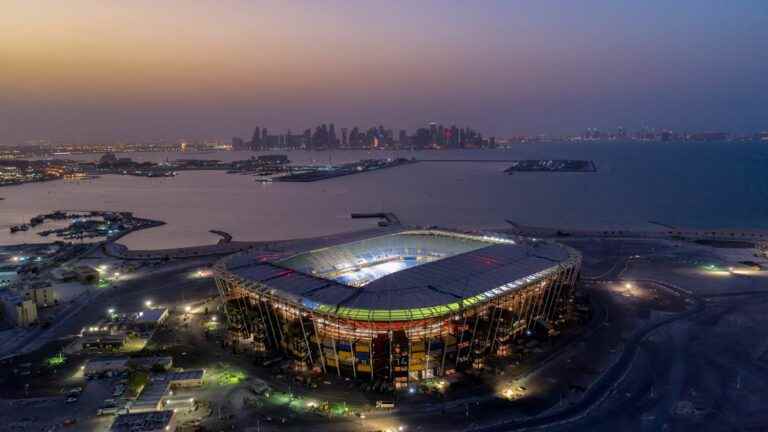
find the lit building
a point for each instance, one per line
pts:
(404, 306)
(42, 296)
(17, 310)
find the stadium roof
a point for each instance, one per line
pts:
(471, 270)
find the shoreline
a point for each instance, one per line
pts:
(226, 245)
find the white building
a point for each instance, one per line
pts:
(149, 318)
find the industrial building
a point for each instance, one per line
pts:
(96, 367)
(406, 305)
(149, 318)
(154, 421)
(154, 395)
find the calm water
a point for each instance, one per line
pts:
(683, 184)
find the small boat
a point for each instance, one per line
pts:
(17, 228)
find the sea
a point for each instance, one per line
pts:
(637, 185)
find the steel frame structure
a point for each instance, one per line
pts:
(397, 350)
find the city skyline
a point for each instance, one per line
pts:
(327, 136)
(90, 71)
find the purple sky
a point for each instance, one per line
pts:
(103, 70)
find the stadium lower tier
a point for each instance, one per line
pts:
(400, 351)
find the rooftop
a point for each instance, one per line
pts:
(105, 362)
(192, 374)
(406, 275)
(159, 386)
(140, 422)
(148, 316)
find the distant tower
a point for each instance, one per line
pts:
(256, 139)
(331, 136)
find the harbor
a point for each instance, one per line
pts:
(80, 226)
(552, 165)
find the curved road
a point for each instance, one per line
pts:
(603, 387)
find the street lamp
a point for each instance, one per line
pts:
(188, 309)
(111, 311)
(148, 303)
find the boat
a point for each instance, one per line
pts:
(17, 228)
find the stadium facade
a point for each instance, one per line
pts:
(401, 306)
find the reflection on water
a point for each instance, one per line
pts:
(684, 184)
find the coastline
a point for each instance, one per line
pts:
(226, 245)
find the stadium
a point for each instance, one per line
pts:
(402, 305)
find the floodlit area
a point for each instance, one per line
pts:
(365, 273)
(411, 308)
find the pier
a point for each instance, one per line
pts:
(387, 218)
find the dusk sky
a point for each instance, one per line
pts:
(102, 70)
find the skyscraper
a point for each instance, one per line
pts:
(256, 142)
(331, 137)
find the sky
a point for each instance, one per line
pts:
(88, 70)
